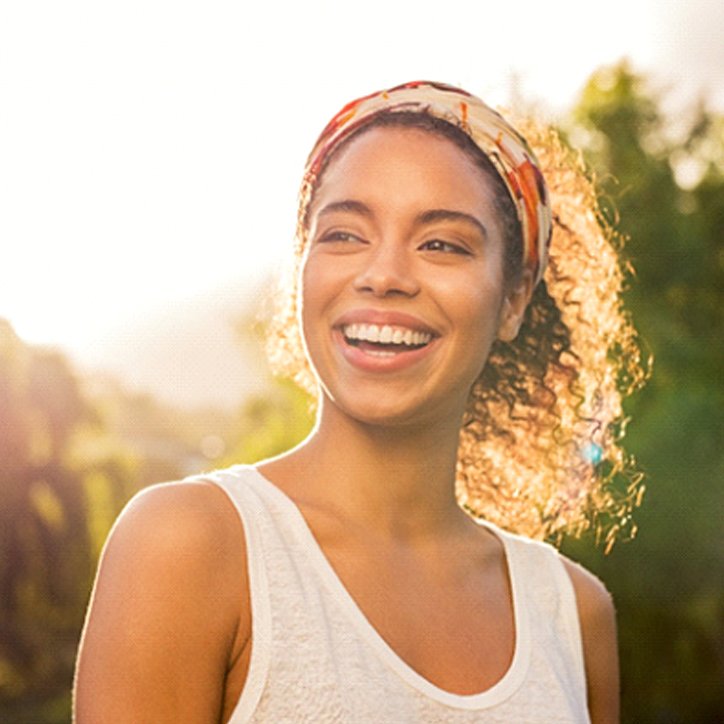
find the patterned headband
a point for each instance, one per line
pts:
(492, 134)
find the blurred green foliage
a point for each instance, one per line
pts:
(73, 451)
(48, 531)
(662, 184)
(272, 424)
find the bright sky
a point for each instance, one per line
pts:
(151, 150)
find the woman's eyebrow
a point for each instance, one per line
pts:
(426, 217)
(433, 215)
(356, 207)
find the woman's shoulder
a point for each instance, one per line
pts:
(588, 587)
(597, 618)
(189, 521)
(596, 610)
(175, 536)
(166, 611)
(194, 501)
(183, 535)
(593, 606)
(593, 601)
(593, 597)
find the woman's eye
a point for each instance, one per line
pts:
(343, 236)
(444, 246)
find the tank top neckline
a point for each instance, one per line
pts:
(498, 692)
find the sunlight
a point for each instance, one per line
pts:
(139, 167)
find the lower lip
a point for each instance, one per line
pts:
(380, 361)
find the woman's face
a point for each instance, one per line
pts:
(402, 288)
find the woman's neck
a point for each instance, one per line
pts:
(398, 479)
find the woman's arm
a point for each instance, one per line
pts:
(167, 612)
(600, 647)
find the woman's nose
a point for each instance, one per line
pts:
(386, 271)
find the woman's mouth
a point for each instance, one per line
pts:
(383, 347)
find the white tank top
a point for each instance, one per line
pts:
(316, 658)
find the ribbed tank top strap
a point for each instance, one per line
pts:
(549, 594)
(570, 619)
(237, 483)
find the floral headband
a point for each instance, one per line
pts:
(492, 134)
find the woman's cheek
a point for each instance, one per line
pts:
(312, 300)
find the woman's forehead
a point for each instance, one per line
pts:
(404, 162)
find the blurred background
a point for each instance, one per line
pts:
(149, 159)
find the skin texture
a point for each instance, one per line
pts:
(171, 643)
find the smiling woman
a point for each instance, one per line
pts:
(377, 572)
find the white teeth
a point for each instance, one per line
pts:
(385, 334)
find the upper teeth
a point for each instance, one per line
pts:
(385, 334)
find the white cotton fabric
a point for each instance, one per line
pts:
(316, 658)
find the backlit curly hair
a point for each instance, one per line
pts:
(540, 447)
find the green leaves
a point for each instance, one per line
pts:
(662, 182)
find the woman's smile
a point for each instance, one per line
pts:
(383, 341)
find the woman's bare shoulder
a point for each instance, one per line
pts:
(188, 529)
(167, 612)
(174, 537)
(195, 517)
(594, 599)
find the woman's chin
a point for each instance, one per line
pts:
(393, 413)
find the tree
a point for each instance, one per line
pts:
(272, 423)
(48, 530)
(662, 182)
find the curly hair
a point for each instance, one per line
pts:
(540, 449)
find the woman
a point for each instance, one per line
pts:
(343, 581)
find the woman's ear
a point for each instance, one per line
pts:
(514, 305)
